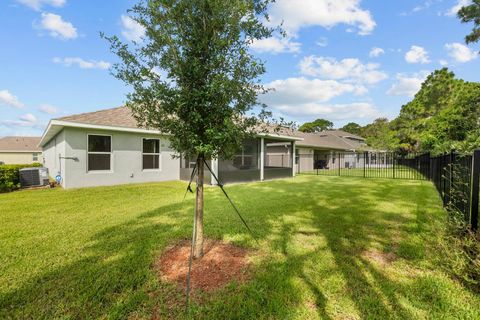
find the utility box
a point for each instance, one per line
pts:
(34, 177)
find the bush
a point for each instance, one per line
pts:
(10, 176)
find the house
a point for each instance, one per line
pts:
(329, 149)
(107, 147)
(20, 150)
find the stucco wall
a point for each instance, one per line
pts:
(126, 160)
(19, 157)
(52, 160)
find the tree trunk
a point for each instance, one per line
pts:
(198, 249)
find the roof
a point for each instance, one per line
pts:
(119, 119)
(332, 139)
(115, 117)
(20, 144)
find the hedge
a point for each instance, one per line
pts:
(10, 175)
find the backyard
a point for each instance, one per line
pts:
(329, 248)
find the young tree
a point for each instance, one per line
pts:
(194, 77)
(316, 126)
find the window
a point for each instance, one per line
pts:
(34, 157)
(151, 154)
(99, 152)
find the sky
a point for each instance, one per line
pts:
(342, 60)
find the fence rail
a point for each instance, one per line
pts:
(456, 176)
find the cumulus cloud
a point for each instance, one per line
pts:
(417, 54)
(38, 4)
(322, 42)
(57, 27)
(452, 12)
(349, 111)
(48, 109)
(83, 64)
(351, 70)
(407, 85)
(26, 120)
(6, 98)
(276, 45)
(131, 29)
(376, 52)
(325, 13)
(460, 53)
(293, 91)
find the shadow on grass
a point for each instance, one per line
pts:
(312, 236)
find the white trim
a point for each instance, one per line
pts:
(109, 153)
(262, 158)
(294, 158)
(279, 137)
(152, 154)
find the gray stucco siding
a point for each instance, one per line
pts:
(126, 160)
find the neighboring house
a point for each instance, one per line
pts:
(322, 150)
(20, 150)
(107, 147)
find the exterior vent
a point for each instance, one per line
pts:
(33, 177)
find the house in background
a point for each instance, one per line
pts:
(329, 149)
(20, 150)
(107, 147)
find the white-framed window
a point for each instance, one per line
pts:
(99, 152)
(34, 157)
(151, 154)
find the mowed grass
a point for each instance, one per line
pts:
(330, 248)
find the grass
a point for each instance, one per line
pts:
(88, 253)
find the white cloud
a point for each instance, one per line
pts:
(6, 98)
(460, 52)
(131, 29)
(292, 91)
(325, 13)
(376, 52)
(322, 42)
(452, 12)
(349, 111)
(352, 70)
(38, 4)
(407, 85)
(276, 45)
(417, 54)
(48, 109)
(26, 120)
(443, 62)
(84, 64)
(57, 27)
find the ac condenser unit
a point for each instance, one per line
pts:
(34, 177)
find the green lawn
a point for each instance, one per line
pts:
(330, 248)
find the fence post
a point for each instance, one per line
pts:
(365, 155)
(475, 190)
(393, 162)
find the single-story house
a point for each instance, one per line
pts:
(20, 150)
(329, 149)
(107, 147)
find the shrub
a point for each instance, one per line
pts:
(10, 176)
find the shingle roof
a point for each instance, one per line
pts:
(331, 139)
(22, 144)
(115, 117)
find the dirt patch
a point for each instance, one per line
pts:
(382, 258)
(221, 264)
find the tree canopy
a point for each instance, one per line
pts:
(316, 126)
(471, 13)
(352, 127)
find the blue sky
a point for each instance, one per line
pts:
(343, 60)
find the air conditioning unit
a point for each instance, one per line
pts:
(34, 177)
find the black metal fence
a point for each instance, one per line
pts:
(456, 176)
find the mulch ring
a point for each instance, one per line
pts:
(221, 264)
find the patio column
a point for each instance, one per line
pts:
(293, 159)
(262, 158)
(215, 170)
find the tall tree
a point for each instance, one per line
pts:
(353, 128)
(316, 126)
(471, 13)
(194, 78)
